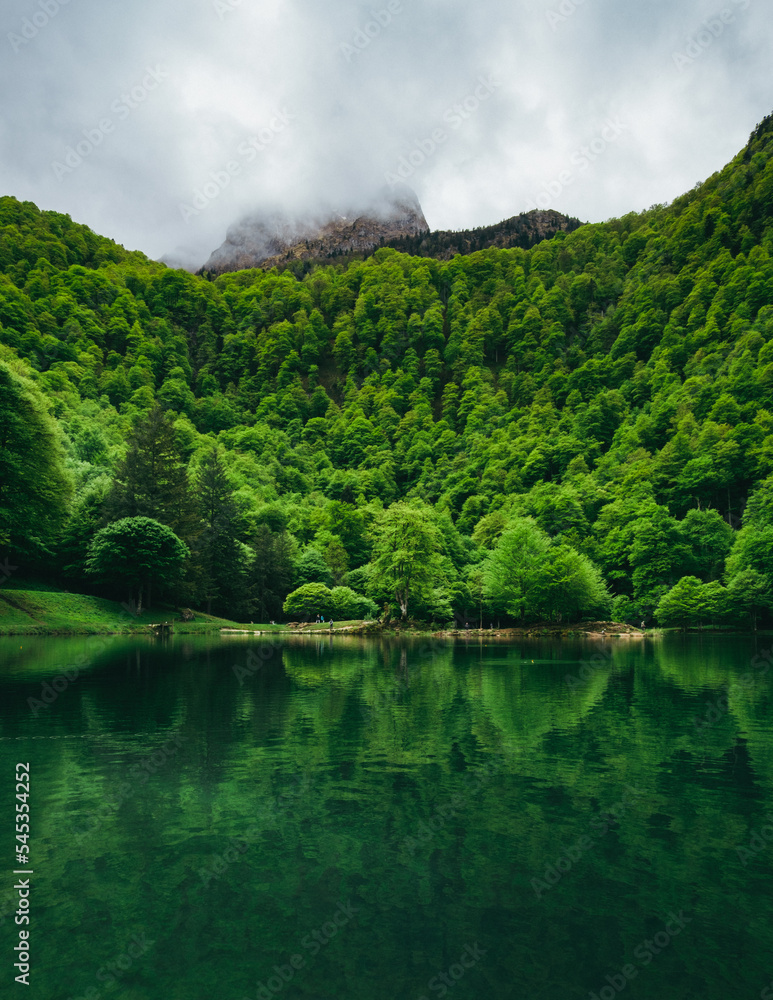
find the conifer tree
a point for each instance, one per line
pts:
(216, 553)
(152, 481)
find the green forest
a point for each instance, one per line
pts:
(580, 429)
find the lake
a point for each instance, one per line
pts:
(222, 819)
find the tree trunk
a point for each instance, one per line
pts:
(139, 602)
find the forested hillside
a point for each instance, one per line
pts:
(583, 427)
(523, 231)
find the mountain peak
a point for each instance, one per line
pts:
(269, 238)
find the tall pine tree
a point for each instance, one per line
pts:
(152, 481)
(216, 554)
(271, 573)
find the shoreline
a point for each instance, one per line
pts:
(58, 614)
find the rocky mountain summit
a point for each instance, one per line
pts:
(277, 238)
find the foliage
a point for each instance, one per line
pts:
(152, 481)
(270, 573)
(691, 602)
(311, 567)
(216, 549)
(614, 384)
(34, 486)
(512, 570)
(527, 576)
(347, 605)
(140, 552)
(405, 554)
(309, 599)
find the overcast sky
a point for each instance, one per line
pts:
(160, 122)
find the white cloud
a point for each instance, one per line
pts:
(357, 87)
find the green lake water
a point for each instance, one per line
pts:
(221, 819)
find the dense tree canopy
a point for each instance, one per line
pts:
(613, 384)
(34, 486)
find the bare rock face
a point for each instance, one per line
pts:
(273, 239)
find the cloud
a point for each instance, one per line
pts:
(179, 118)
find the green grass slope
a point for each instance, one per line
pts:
(39, 612)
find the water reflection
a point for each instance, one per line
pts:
(548, 807)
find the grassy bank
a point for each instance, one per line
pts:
(49, 612)
(45, 611)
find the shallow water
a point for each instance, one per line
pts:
(350, 818)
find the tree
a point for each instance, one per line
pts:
(405, 554)
(657, 552)
(569, 585)
(750, 593)
(270, 575)
(528, 575)
(510, 572)
(749, 570)
(337, 560)
(759, 509)
(710, 538)
(216, 550)
(84, 522)
(348, 605)
(151, 481)
(137, 552)
(311, 567)
(34, 487)
(691, 602)
(348, 524)
(310, 599)
(753, 549)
